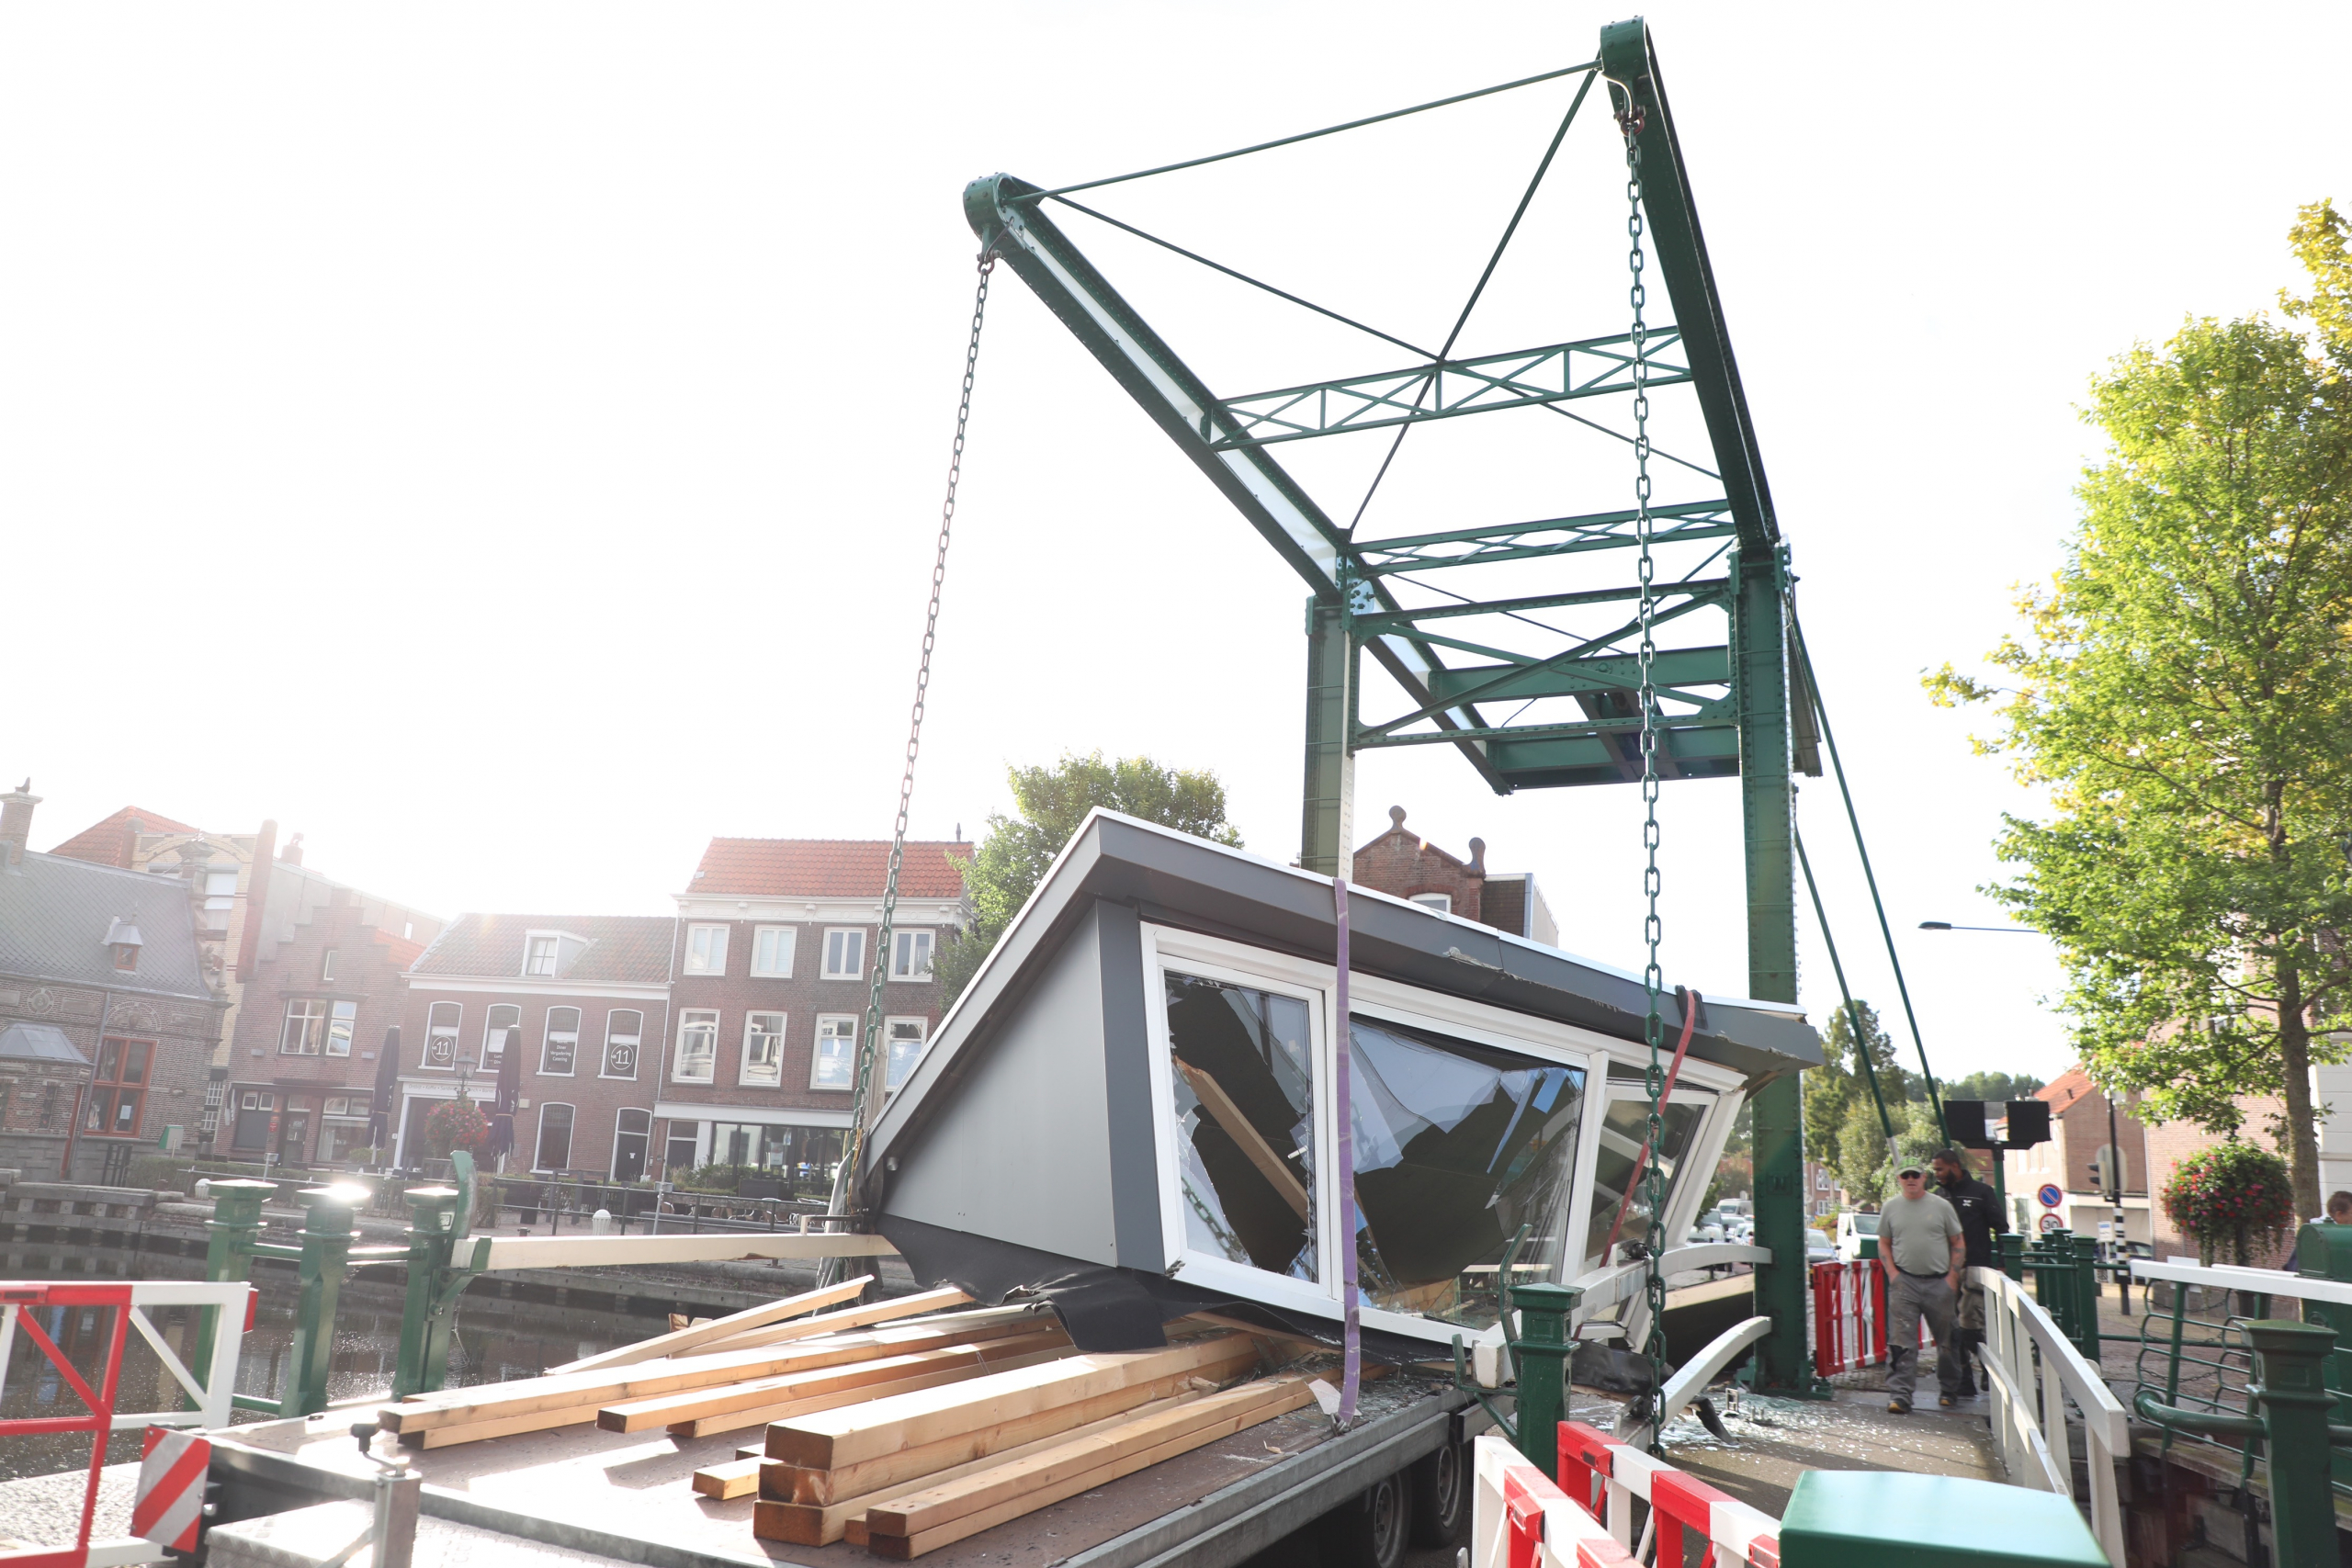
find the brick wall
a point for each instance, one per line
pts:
(1403, 863)
(180, 1035)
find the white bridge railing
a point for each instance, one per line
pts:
(2030, 1393)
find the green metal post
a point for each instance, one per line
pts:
(2289, 1363)
(326, 1252)
(2324, 1251)
(1540, 1358)
(1768, 803)
(423, 1360)
(2086, 1296)
(2012, 1247)
(229, 1254)
(1326, 834)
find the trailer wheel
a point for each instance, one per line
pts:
(1375, 1529)
(1439, 1485)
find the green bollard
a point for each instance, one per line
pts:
(424, 1362)
(228, 1256)
(2012, 1247)
(2086, 1296)
(326, 1253)
(2289, 1366)
(1541, 1355)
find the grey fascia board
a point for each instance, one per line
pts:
(1175, 879)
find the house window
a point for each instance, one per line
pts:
(327, 967)
(772, 950)
(910, 955)
(623, 1030)
(678, 1152)
(441, 1036)
(540, 956)
(304, 1030)
(341, 1018)
(1244, 1085)
(1441, 902)
(555, 1138)
(835, 1066)
(902, 1047)
(561, 1044)
(844, 954)
(120, 1089)
(343, 1127)
(212, 1095)
(762, 1049)
(697, 1045)
(503, 1017)
(219, 893)
(705, 950)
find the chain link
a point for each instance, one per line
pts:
(1653, 976)
(868, 1050)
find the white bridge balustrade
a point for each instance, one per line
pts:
(2037, 1372)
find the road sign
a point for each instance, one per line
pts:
(2053, 1223)
(2051, 1196)
(171, 1488)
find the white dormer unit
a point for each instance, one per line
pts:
(124, 940)
(548, 955)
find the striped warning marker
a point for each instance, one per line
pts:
(171, 1488)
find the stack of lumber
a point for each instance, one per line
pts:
(904, 1473)
(746, 1370)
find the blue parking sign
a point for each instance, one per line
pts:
(2050, 1195)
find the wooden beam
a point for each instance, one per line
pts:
(737, 1478)
(506, 1252)
(667, 1409)
(690, 1338)
(842, 1438)
(760, 1415)
(1262, 1154)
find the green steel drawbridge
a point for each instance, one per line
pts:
(1535, 681)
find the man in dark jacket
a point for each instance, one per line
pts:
(1980, 1220)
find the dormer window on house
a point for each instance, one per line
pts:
(124, 940)
(1441, 902)
(539, 956)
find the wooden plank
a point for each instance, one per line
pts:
(737, 1478)
(1252, 1143)
(688, 1338)
(842, 1438)
(848, 1317)
(940, 1502)
(907, 1465)
(1030, 1500)
(822, 1524)
(664, 1409)
(503, 1252)
(760, 1415)
(591, 1391)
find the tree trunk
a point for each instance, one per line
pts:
(2295, 1067)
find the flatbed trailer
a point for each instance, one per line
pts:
(626, 1497)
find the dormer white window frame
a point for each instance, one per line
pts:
(1441, 902)
(567, 946)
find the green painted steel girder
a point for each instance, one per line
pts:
(1607, 672)
(1560, 372)
(1505, 542)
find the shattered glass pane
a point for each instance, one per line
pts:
(1456, 1146)
(1622, 1131)
(1245, 1124)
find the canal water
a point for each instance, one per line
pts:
(500, 1333)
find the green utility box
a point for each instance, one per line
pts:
(1891, 1519)
(2324, 1251)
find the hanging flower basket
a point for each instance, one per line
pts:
(455, 1124)
(2233, 1194)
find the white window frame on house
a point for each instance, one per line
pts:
(828, 1021)
(705, 950)
(697, 1020)
(772, 948)
(912, 949)
(327, 967)
(856, 967)
(343, 1022)
(214, 1092)
(445, 1034)
(549, 1034)
(310, 1013)
(493, 1033)
(765, 1029)
(893, 1031)
(635, 1039)
(1441, 902)
(538, 1137)
(542, 955)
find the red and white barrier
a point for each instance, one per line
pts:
(1602, 1476)
(1849, 1317)
(1519, 1519)
(170, 1501)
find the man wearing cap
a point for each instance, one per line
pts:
(1922, 1246)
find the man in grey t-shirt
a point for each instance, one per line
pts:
(1922, 1248)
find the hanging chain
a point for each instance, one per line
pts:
(854, 1146)
(1631, 121)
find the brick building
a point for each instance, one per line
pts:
(1409, 866)
(592, 995)
(109, 1020)
(324, 978)
(773, 965)
(2078, 1130)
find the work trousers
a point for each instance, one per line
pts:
(1908, 1300)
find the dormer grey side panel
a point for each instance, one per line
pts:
(1026, 1157)
(1126, 1065)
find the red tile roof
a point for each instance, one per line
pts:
(2065, 1088)
(829, 868)
(108, 842)
(632, 948)
(404, 952)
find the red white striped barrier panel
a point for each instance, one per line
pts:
(171, 1488)
(1602, 1476)
(1849, 1317)
(1519, 1519)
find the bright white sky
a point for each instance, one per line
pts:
(504, 444)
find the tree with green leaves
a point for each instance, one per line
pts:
(2183, 693)
(1839, 1111)
(1049, 804)
(1994, 1088)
